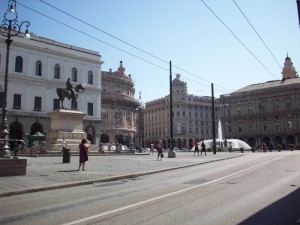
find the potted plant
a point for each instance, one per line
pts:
(279, 147)
(292, 147)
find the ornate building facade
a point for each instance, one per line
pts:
(119, 108)
(192, 117)
(36, 68)
(266, 112)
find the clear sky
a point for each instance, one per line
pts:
(208, 41)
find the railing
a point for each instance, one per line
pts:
(16, 145)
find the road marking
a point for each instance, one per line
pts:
(170, 194)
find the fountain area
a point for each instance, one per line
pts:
(232, 144)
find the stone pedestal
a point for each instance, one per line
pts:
(171, 154)
(12, 167)
(65, 124)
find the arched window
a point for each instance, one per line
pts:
(74, 74)
(38, 68)
(19, 64)
(57, 71)
(90, 77)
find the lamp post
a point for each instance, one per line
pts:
(225, 123)
(9, 28)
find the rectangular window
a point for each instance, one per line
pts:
(90, 77)
(90, 109)
(17, 101)
(37, 103)
(56, 104)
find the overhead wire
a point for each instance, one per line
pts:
(239, 39)
(131, 45)
(257, 33)
(97, 39)
(127, 43)
(86, 34)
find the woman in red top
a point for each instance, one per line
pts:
(83, 156)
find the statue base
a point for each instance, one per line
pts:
(65, 124)
(13, 167)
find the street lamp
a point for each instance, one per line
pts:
(9, 28)
(223, 105)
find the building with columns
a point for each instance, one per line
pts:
(192, 117)
(266, 112)
(119, 108)
(37, 67)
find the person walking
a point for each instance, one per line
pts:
(64, 144)
(83, 156)
(196, 146)
(151, 149)
(160, 150)
(203, 147)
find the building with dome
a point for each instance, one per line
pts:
(119, 108)
(266, 112)
(192, 117)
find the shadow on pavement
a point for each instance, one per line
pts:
(285, 211)
(67, 171)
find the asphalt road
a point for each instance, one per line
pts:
(252, 189)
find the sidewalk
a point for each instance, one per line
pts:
(46, 173)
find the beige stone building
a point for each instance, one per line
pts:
(118, 112)
(266, 112)
(37, 67)
(192, 117)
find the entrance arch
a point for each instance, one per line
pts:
(251, 142)
(104, 138)
(290, 139)
(36, 127)
(15, 132)
(266, 140)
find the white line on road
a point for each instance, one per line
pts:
(170, 194)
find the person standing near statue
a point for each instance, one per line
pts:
(83, 153)
(70, 88)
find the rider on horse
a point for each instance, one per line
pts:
(70, 88)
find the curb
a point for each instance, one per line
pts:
(109, 179)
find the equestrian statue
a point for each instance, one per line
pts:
(70, 93)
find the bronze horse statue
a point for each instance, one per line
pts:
(65, 93)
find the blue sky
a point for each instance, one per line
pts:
(190, 33)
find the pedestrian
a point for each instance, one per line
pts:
(203, 148)
(64, 145)
(151, 149)
(160, 150)
(196, 146)
(83, 156)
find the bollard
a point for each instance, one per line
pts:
(66, 155)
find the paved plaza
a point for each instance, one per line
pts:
(46, 173)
